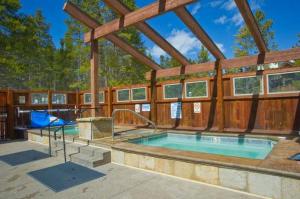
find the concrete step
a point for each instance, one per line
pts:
(92, 151)
(99, 157)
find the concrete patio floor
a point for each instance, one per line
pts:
(26, 173)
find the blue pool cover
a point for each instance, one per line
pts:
(41, 119)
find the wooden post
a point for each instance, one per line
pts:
(10, 114)
(94, 75)
(109, 102)
(220, 100)
(153, 116)
(77, 103)
(49, 99)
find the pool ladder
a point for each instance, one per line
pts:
(131, 111)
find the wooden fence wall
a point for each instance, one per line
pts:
(266, 113)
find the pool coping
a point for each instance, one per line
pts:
(197, 158)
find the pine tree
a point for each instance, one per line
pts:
(203, 55)
(244, 41)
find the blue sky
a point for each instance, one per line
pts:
(220, 18)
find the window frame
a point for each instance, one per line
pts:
(244, 77)
(66, 99)
(103, 97)
(123, 90)
(191, 82)
(283, 92)
(146, 96)
(84, 101)
(164, 91)
(31, 102)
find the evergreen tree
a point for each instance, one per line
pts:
(244, 41)
(203, 55)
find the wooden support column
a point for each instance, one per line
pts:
(109, 102)
(153, 116)
(220, 100)
(49, 99)
(94, 75)
(10, 115)
(77, 103)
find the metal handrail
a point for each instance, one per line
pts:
(131, 111)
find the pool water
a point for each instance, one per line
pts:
(253, 148)
(69, 130)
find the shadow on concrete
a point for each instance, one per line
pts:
(64, 176)
(23, 157)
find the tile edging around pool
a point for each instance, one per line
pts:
(208, 162)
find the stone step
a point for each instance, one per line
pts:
(92, 151)
(91, 161)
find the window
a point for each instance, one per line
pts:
(39, 98)
(196, 89)
(138, 94)
(172, 91)
(87, 98)
(58, 98)
(123, 95)
(284, 82)
(101, 97)
(248, 85)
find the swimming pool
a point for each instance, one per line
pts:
(69, 130)
(253, 148)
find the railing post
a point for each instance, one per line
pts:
(153, 113)
(10, 114)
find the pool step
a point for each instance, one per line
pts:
(91, 157)
(81, 154)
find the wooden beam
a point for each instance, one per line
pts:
(94, 76)
(84, 18)
(149, 32)
(80, 15)
(132, 51)
(139, 15)
(199, 32)
(252, 25)
(220, 95)
(269, 57)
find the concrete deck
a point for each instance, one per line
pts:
(25, 172)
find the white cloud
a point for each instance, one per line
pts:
(216, 3)
(229, 5)
(183, 41)
(196, 8)
(221, 47)
(237, 19)
(221, 20)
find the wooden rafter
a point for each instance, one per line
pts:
(139, 15)
(194, 26)
(84, 18)
(252, 25)
(270, 57)
(120, 8)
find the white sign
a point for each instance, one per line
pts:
(146, 107)
(137, 108)
(176, 110)
(197, 107)
(22, 100)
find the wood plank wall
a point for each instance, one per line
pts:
(264, 114)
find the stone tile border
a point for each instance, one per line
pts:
(267, 185)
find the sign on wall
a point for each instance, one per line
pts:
(22, 100)
(146, 107)
(137, 108)
(176, 110)
(197, 107)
